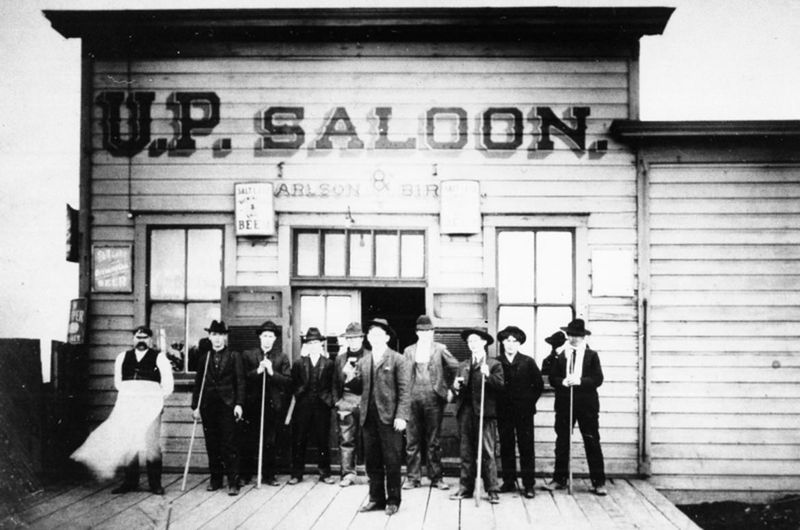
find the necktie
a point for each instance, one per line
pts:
(572, 363)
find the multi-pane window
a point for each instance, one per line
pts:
(388, 254)
(535, 284)
(184, 289)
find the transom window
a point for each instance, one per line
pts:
(535, 284)
(388, 254)
(184, 288)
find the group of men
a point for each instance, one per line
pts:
(377, 395)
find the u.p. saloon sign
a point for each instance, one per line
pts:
(127, 116)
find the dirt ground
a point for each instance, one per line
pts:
(783, 514)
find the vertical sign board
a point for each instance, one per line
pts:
(112, 268)
(72, 234)
(76, 332)
(255, 211)
(460, 207)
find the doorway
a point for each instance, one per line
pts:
(399, 305)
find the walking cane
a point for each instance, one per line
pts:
(261, 431)
(478, 481)
(194, 426)
(571, 429)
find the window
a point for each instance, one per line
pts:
(535, 284)
(184, 288)
(381, 254)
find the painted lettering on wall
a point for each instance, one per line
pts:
(285, 128)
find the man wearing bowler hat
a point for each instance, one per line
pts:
(385, 400)
(578, 367)
(432, 370)
(312, 380)
(347, 399)
(220, 406)
(475, 374)
(265, 367)
(515, 411)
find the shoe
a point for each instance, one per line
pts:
(600, 491)
(460, 494)
(441, 485)
(213, 487)
(411, 484)
(494, 498)
(553, 485)
(293, 481)
(391, 509)
(508, 487)
(270, 481)
(157, 490)
(371, 506)
(328, 479)
(346, 481)
(233, 490)
(530, 493)
(124, 488)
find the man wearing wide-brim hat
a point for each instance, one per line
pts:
(515, 411)
(347, 398)
(268, 368)
(384, 378)
(220, 406)
(577, 367)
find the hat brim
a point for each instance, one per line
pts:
(482, 334)
(517, 333)
(575, 332)
(389, 331)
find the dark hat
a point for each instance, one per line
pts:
(313, 334)
(217, 327)
(513, 331)
(557, 339)
(424, 323)
(381, 323)
(353, 329)
(576, 328)
(143, 329)
(479, 332)
(269, 325)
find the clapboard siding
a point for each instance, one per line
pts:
(723, 328)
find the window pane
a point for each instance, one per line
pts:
(198, 317)
(169, 321)
(554, 270)
(515, 262)
(338, 315)
(167, 264)
(522, 317)
(360, 254)
(334, 254)
(205, 264)
(387, 259)
(312, 312)
(307, 254)
(412, 263)
(548, 321)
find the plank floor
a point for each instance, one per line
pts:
(311, 504)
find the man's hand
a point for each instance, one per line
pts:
(399, 424)
(485, 370)
(449, 396)
(265, 364)
(237, 412)
(196, 414)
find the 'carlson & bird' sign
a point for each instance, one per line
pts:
(284, 128)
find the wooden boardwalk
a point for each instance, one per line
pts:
(314, 505)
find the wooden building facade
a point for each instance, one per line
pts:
(483, 166)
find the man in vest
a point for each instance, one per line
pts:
(347, 399)
(265, 367)
(148, 367)
(432, 370)
(220, 406)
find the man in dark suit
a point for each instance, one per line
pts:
(577, 367)
(516, 407)
(267, 368)
(220, 374)
(347, 399)
(385, 399)
(432, 370)
(474, 373)
(312, 379)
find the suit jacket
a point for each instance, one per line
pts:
(277, 384)
(301, 375)
(227, 382)
(338, 376)
(523, 384)
(442, 367)
(392, 386)
(585, 394)
(470, 393)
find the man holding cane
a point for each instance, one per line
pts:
(577, 370)
(268, 376)
(347, 399)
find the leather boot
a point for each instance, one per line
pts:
(131, 481)
(154, 476)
